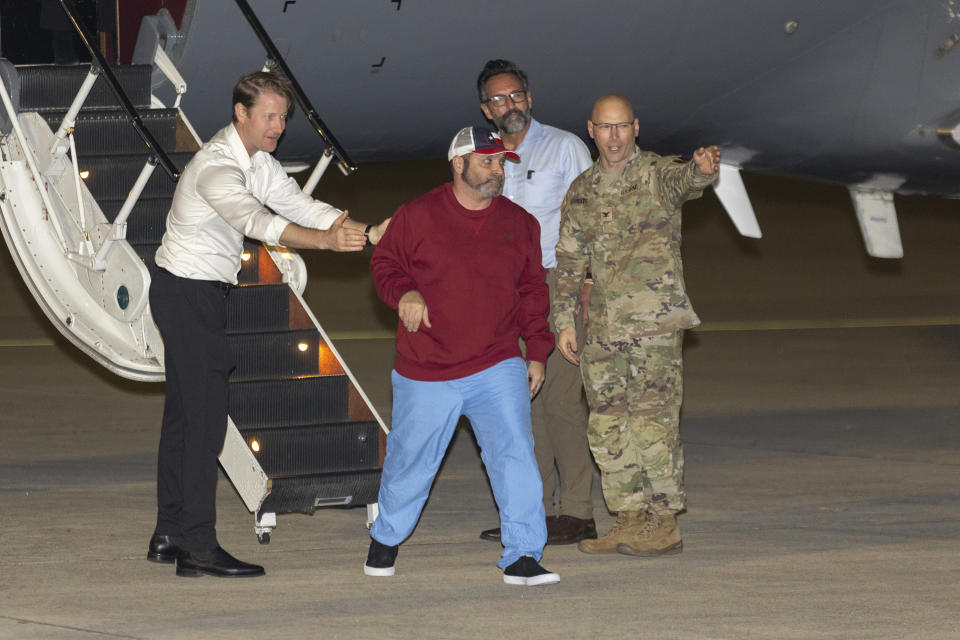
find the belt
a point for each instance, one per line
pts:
(224, 287)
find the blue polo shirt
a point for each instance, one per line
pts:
(550, 159)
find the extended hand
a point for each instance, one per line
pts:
(413, 311)
(567, 343)
(536, 372)
(342, 238)
(378, 230)
(707, 160)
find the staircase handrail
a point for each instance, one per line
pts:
(31, 162)
(343, 160)
(99, 61)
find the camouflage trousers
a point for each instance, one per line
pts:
(634, 390)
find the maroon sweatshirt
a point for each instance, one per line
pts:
(481, 276)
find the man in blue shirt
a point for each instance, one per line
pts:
(550, 160)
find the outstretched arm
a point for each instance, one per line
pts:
(376, 230)
(680, 180)
(338, 237)
(707, 160)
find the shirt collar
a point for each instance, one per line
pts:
(533, 135)
(598, 168)
(239, 151)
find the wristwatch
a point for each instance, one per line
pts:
(366, 234)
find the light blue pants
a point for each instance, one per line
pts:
(425, 414)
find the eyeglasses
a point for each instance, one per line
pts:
(516, 97)
(606, 127)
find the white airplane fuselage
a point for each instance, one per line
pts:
(860, 92)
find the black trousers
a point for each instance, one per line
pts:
(191, 316)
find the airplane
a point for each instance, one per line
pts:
(857, 93)
(860, 92)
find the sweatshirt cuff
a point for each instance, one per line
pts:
(539, 349)
(401, 290)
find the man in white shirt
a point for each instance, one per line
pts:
(222, 196)
(550, 159)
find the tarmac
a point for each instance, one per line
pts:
(822, 463)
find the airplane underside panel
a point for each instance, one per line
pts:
(838, 92)
(827, 91)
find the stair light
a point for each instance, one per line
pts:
(255, 445)
(245, 256)
(327, 363)
(84, 174)
(303, 346)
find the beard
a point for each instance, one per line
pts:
(489, 188)
(512, 121)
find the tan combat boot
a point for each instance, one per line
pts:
(659, 536)
(625, 528)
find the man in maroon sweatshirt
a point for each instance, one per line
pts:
(461, 264)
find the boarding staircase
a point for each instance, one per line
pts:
(83, 213)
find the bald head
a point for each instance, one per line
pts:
(614, 128)
(611, 103)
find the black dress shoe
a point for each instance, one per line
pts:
(493, 535)
(217, 563)
(162, 549)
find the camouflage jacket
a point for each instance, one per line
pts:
(628, 236)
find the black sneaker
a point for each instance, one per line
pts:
(380, 559)
(527, 572)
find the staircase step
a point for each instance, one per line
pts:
(316, 449)
(146, 253)
(258, 308)
(145, 235)
(265, 404)
(303, 493)
(45, 87)
(256, 265)
(276, 354)
(111, 177)
(316, 438)
(146, 223)
(110, 131)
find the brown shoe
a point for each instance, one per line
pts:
(658, 537)
(568, 529)
(622, 530)
(493, 535)
(562, 530)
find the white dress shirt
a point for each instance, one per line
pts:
(550, 159)
(225, 194)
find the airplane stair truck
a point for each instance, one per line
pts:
(301, 432)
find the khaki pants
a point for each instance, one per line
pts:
(559, 417)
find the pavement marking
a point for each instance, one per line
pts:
(740, 325)
(850, 323)
(706, 327)
(26, 342)
(378, 334)
(67, 627)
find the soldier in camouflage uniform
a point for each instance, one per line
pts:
(621, 219)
